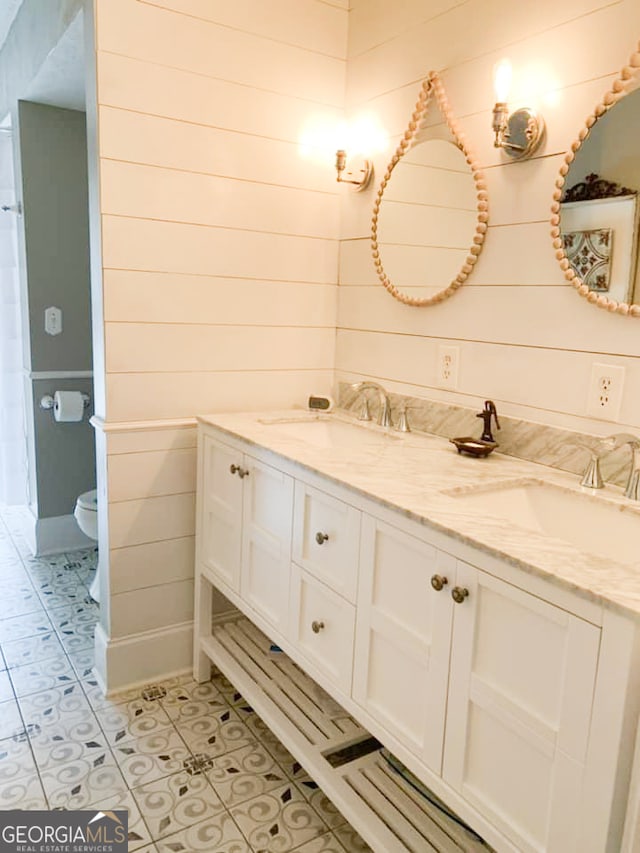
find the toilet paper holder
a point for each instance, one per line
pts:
(47, 401)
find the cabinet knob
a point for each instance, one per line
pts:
(316, 626)
(321, 538)
(459, 593)
(437, 582)
(241, 472)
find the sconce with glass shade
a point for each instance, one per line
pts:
(519, 133)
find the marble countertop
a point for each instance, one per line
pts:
(419, 475)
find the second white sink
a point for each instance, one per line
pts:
(329, 432)
(589, 523)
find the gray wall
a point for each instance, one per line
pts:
(64, 453)
(52, 157)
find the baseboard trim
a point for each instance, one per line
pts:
(138, 659)
(47, 536)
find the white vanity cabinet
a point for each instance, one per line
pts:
(488, 685)
(245, 516)
(522, 679)
(515, 700)
(403, 636)
(324, 579)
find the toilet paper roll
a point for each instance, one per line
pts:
(68, 406)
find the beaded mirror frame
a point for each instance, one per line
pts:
(620, 87)
(431, 87)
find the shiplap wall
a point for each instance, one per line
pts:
(526, 339)
(220, 262)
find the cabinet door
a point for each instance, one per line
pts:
(403, 635)
(266, 541)
(326, 538)
(221, 512)
(322, 625)
(520, 696)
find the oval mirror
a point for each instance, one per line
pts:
(431, 212)
(596, 206)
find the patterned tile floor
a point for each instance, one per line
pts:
(193, 764)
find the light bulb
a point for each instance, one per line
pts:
(502, 80)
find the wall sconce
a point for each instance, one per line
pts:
(520, 133)
(358, 179)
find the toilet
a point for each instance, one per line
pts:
(86, 514)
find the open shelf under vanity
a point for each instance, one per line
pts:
(336, 751)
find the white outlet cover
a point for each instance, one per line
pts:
(605, 391)
(53, 320)
(447, 366)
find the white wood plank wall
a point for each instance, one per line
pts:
(526, 339)
(220, 256)
(220, 244)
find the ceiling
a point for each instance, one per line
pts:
(8, 11)
(60, 79)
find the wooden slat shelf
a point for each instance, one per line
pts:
(388, 813)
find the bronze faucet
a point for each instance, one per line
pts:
(486, 414)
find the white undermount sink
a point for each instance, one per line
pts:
(328, 432)
(591, 524)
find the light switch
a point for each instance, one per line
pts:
(53, 320)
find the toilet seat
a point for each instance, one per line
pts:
(89, 500)
(86, 513)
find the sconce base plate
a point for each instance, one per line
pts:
(357, 178)
(523, 133)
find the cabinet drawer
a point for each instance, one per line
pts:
(326, 539)
(322, 626)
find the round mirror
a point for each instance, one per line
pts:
(430, 214)
(596, 207)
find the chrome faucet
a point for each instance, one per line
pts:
(632, 489)
(384, 414)
(592, 478)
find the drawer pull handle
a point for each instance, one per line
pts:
(459, 593)
(321, 538)
(316, 626)
(241, 472)
(437, 582)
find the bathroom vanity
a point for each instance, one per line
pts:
(498, 663)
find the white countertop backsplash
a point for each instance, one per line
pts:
(411, 473)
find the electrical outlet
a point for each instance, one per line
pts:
(447, 367)
(605, 392)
